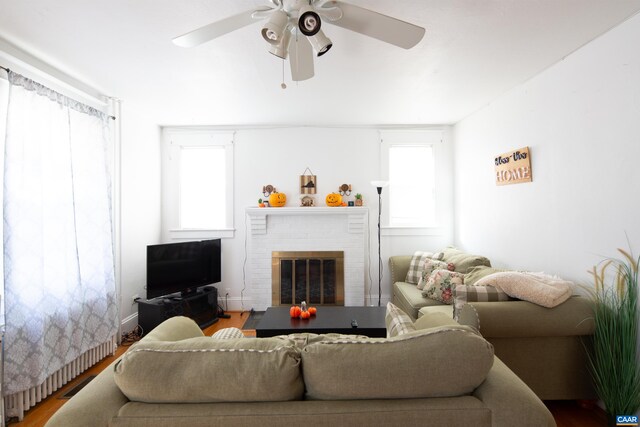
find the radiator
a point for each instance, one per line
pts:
(16, 404)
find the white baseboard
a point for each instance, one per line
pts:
(373, 301)
(235, 303)
(129, 322)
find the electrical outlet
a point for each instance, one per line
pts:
(134, 299)
(227, 291)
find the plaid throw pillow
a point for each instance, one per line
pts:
(397, 321)
(463, 294)
(228, 334)
(416, 266)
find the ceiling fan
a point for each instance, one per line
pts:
(293, 29)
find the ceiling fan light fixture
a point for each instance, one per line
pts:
(321, 43)
(281, 50)
(273, 31)
(309, 21)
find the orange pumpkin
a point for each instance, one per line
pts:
(295, 311)
(312, 311)
(333, 199)
(305, 315)
(277, 200)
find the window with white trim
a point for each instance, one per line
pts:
(409, 159)
(198, 188)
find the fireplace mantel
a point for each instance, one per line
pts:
(356, 216)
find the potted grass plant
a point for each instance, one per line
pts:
(613, 356)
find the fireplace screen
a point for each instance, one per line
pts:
(315, 277)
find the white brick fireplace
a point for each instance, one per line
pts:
(306, 229)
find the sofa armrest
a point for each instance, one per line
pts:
(399, 266)
(174, 329)
(512, 403)
(504, 319)
(100, 400)
(95, 405)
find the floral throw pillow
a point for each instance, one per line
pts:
(397, 321)
(441, 284)
(429, 266)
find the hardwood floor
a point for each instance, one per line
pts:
(566, 413)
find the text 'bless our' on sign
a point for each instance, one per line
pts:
(513, 167)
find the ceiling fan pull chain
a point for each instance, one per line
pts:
(283, 85)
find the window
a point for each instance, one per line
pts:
(409, 160)
(198, 184)
(199, 168)
(411, 186)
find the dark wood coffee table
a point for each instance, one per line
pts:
(330, 319)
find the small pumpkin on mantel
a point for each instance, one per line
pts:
(333, 199)
(277, 200)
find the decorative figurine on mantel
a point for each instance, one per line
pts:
(274, 199)
(334, 199)
(307, 201)
(345, 190)
(277, 200)
(268, 189)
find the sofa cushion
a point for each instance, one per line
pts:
(440, 285)
(429, 267)
(303, 339)
(463, 261)
(416, 266)
(478, 272)
(437, 362)
(463, 294)
(431, 317)
(207, 370)
(409, 298)
(522, 319)
(444, 309)
(397, 321)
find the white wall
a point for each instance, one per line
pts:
(581, 119)
(139, 205)
(278, 156)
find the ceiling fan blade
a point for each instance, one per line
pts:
(218, 28)
(300, 58)
(376, 25)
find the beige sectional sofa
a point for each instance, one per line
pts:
(545, 347)
(443, 374)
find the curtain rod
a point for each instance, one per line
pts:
(7, 70)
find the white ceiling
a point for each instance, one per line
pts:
(473, 51)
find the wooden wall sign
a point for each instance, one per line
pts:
(513, 167)
(308, 182)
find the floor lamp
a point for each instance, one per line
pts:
(379, 185)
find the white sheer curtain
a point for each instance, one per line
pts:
(60, 294)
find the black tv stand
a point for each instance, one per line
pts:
(201, 306)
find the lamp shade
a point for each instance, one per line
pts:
(321, 43)
(309, 21)
(379, 184)
(281, 50)
(274, 29)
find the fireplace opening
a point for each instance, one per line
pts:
(316, 277)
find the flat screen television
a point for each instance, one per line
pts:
(182, 267)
